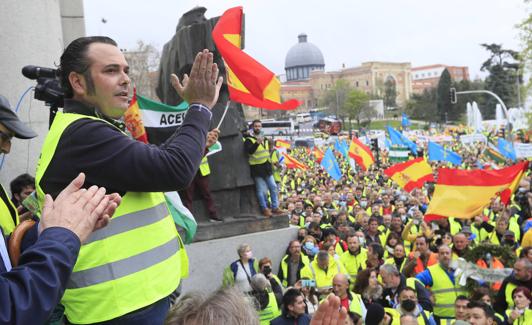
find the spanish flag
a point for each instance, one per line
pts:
(133, 120)
(282, 144)
(292, 163)
(361, 154)
(249, 82)
(411, 174)
(465, 193)
(318, 154)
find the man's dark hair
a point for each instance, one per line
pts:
(255, 121)
(289, 298)
(377, 249)
(406, 289)
(20, 182)
(74, 59)
(485, 307)
(461, 297)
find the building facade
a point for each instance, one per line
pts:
(426, 77)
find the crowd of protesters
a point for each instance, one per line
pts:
(364, 239)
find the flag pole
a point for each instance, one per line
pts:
(223, 115)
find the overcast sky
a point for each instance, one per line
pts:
(347, 31)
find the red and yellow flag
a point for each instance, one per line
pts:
(318, 154)
(361, 154)
(133, 120)
(292, 163)
(465, 193)
(249, 82)
(411, 174)
(282, 144)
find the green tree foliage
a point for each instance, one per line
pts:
(502, 79)
(444, 108)
(390, 93)
(525, 33)
(423, 106)
(356, 107)
(335, 97)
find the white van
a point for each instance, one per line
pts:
(303, 118)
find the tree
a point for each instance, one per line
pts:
(423, 106)
(525, 33)
(390, 93)
(335, 97)
(443, 101)
(502, 65)
(143, 65)
(357, 106)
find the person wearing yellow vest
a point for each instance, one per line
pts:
(354, 259)
(135, 264)
(200, 183)
(322, 270)
(265, 301)
(10, 126)
(257, 148)
(521, 277)
(349, 300)
(292, 264)
(521, 313)
(443, 284)
(408, 305)
(276, 165)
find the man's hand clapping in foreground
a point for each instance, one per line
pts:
(79, 210)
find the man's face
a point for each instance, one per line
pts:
(501, 226)
(340, 286)
(109, 73)
(299, 206)
(353, 244)
(388, 280)
(461, 311)
(520, 271)
(460, 242)
(323, 263)
(397, 222)
(298, 308)
(407, 295)
(421, 245)
(399, 251)
(5, 139)
(374, 226)
(387, 220)
(26, 191)
(295, 248)
(444, 256)
(257, 126)
(477, 316)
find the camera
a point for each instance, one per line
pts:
(308, 283)
(267, 270)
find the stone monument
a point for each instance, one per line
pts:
(231, 185)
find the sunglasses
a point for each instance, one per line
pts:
(5, 136)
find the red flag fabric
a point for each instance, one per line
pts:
(133, 120)
(249, 82)
(292, 163)
(411, 174)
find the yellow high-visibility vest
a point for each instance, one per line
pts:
(8, 213)
(132, 263)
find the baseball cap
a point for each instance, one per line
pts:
(11, 121)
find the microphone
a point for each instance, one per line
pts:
(33, 72)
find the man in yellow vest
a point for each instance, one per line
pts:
(257, 147)
(521, 277)
(349, 300)
(201, 182)
(127, 271)
(10, 126)
(443, 283)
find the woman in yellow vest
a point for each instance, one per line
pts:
(520, 314)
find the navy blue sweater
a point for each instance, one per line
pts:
(121, 164)
(30, 291)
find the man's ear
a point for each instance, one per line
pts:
(78, 84)
(17, 196)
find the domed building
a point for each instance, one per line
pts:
(303, 58)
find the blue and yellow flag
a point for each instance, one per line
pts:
(399, 139)
(506, 149)
(439, 153)
(330, 164)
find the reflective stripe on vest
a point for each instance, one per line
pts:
(508, 294)
(7, 212)
(204, 167)
(444, 291)
(261, 155)
(271, 311)
(134, 262)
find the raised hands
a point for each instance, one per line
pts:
(203, 85)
